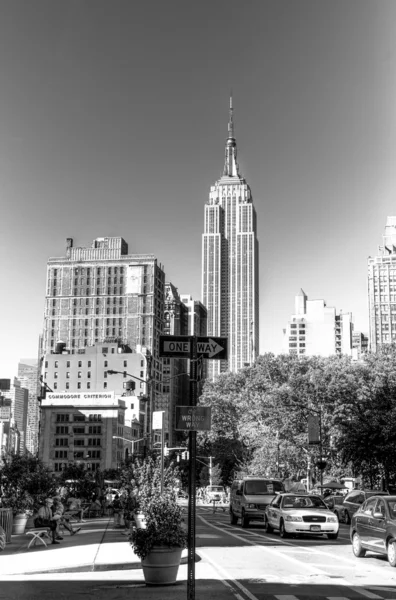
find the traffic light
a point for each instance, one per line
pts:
(166, 450)
(321, 464)
(185, 455)
(178, 458)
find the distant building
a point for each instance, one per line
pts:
(89, 405)
(19, 397)
(382, 290)
(196, 324)
(316, 329)
(103, 294)
(360, 344)
(28, 375)
(9, 435)
(230, 264)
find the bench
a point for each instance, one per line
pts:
(38, 534)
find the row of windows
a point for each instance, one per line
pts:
(62, 429)
(65, 442)
(66, 417)
(61, 466)
(80, 363)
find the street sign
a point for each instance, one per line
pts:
(193, 418)
(215, 348)
(158, 416)
(176, 346)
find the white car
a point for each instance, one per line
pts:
(300, 514)
(215, 492)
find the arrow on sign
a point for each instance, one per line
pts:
(210, 347)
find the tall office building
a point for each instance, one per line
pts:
(230, 264)
(28, 375)
(317, 329)
(19, 397)
(103, 294)
(382, 289)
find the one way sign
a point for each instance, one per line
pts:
(215, 348)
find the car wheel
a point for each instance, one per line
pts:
(233, 518)
(347, 518)
(244, 521)
(282, 531)
(391, 552)
(357, 546)
(332, 536)
(267, 526)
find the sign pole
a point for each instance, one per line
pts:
(162, 454)
(192, 448)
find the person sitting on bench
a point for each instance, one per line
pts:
(45, 518)
(59, 509)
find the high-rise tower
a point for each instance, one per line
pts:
(230, 264)
(382, 289)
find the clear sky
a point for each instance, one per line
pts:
(113, 120)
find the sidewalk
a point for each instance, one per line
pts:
(97, 547)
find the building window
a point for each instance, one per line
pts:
(67, 374)
(62, 429)
(55, 386)
(67, 385)
(80, 363)
(62, 418)
(105, 374)
(46, 364)
(61, 442)
(79, 374)
(79, 442)
(89, 374)
(79, 385)
(105, 363)
(56, 364)
(125, 363)
(105, 385)
(95, 429)
(88, 385)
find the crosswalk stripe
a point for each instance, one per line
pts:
(366, 593)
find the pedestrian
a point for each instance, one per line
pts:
(117, 510)
(74, 504)
(45, 518)
(59, 509)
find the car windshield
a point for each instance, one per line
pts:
(303, 502)
(263, 486)
(215, 488)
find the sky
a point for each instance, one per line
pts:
(113, 121)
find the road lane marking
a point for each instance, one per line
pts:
(366, 593)
(228, 577)
(285, 597)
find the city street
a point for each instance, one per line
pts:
(232, 562)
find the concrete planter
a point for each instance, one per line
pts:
(19, 524)
(160, 567)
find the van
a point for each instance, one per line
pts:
(250, 496)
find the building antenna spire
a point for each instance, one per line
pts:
(230, 120)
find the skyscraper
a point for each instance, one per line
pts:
(382, 289)
(230, 264)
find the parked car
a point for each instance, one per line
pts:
(333, 502)
(300, 513)
(354, 500)
(250, 496)
(214, 492)
(373, 527)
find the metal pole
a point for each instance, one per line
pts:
(162, 453)
(320, 446)
(210, 470)
(192, 448)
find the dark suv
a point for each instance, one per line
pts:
(353, 501)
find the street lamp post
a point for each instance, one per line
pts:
(118, 437)
(148, 391)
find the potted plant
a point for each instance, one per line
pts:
(160, 543)
(25, 483)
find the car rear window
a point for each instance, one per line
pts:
(263, 486)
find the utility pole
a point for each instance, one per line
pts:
(210, 470)
(192, 448)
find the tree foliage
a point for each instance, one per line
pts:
(260, 416)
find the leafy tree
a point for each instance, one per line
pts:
(79, 479)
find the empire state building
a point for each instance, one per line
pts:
(230, 264)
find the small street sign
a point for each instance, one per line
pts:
(176, 346)
(193, 418)
(215, 348)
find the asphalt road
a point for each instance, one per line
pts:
(246, 564)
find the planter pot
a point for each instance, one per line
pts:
(160, 567)
(140, 521)
(19, 524)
